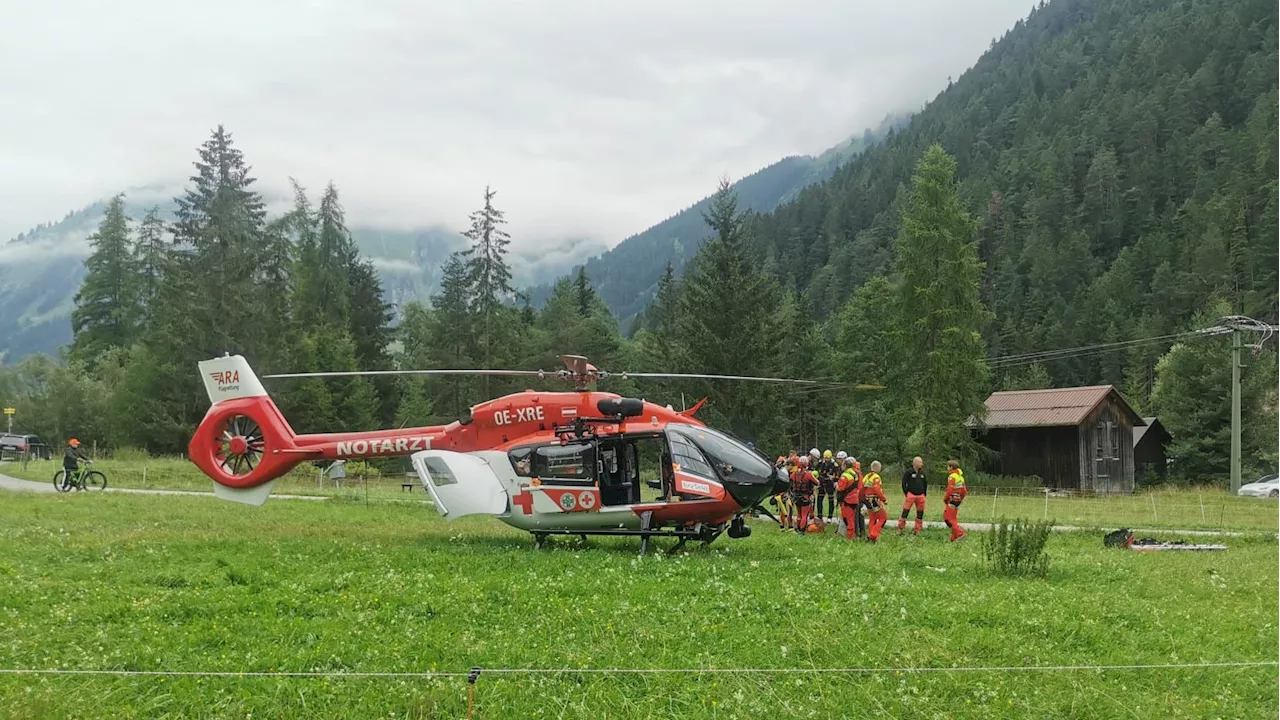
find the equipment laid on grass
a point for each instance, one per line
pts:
(1124, 538)
(551, 463)
(1151, 544)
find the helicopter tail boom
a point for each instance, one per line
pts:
(245, 443)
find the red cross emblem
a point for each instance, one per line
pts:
(524, 501)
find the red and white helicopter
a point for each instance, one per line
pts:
(551, 463)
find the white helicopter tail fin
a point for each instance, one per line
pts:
(230, 377)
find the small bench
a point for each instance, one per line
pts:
(406, 486)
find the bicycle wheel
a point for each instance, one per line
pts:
(59, 481)
(94, 480)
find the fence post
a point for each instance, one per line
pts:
(994, 497)
(1201, 495)
(1154, 514)
(1046, 503)
(144, 476)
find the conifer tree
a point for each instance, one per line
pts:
(725, 316)
(940, 310)
(221, 219)
(153, 257)
(107, 311)
(489, 283)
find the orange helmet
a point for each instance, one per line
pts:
(73, 442)
(814, 527)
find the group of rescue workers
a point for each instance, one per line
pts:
(840, 482)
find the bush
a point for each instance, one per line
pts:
(1017, 548)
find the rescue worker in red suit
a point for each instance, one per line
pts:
(860, 519)
(803, 481)
(914, 488)
(956, 493)
(847, 490)
(875, 502)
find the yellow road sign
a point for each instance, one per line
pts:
(11, 411)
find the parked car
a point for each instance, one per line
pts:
(1268, 486)
(13, 446)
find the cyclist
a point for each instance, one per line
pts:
(71, 461)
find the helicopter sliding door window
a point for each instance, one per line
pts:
(572, 464)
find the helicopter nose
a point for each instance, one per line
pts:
(781, 483)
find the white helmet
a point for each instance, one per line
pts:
(814, 452)
(842, 455)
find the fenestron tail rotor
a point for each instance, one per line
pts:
(240, 445)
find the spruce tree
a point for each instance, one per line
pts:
(107, 312)
(222, 221)
(448, 332)
(489, 283)
(153, 257)
(583, 292)
(725, 317)
(941, 314)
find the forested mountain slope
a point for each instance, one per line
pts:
(1122, 158)
(627, 275)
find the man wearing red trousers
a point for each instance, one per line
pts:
(915, 489)
(847, 492)
(956, 493)
(803, 481)
(875, 501)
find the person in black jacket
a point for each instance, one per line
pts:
(914, 487)
(71, 460)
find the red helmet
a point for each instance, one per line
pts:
(73, 442)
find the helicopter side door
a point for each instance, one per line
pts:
(462, 483)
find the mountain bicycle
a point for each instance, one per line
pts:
(80, 480)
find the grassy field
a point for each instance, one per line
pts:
(180, 474)
(184, 583)
(1204, 509)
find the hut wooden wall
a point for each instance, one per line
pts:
(1051, 453)
(1106, 458)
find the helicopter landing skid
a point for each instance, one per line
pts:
(683, 535)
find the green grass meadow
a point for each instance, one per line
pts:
(130, 582)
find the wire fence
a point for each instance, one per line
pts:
(477, 671)
(1184, 509)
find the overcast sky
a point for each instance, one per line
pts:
(590, 117)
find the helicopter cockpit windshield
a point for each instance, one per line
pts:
(744, 473)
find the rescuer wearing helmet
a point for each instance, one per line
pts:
(859, 521)
(802, 482)
(827, 472)
(875, 502)
(956, 493)
(847, 494)
(782, 500)
(914, 488)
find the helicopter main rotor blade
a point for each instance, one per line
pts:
(700, 376)
(346, 373)
(814, 384)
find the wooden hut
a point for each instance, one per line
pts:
(1073, 438)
